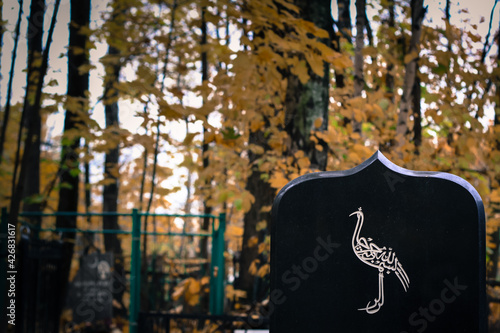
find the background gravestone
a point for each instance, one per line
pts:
(91, 290)
(378, 248)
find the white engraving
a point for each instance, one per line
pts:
(382, 258)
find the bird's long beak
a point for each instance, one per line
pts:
(353, 213)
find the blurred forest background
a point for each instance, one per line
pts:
(211, 106)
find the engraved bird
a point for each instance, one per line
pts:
(382, 258)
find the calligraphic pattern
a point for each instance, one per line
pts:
(382, 258)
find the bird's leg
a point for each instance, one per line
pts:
(377, 302)
(380, 299)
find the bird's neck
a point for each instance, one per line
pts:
(357, 230)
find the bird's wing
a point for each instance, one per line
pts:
(402, 276)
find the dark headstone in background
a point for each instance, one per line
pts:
(416, 265)
(90, 294)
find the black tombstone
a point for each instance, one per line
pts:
(91, 296)
(378, 248)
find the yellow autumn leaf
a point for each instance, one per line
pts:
(246, 201)
(299, 154)
(205, 280)
(253, 241)
(318, 122)
(304, 163)
(232, 293)
(84, 69)
(288, 5)
(357, 102)
(179, 290)
(266, 209)
(265, 54)
(263, 271)
(301, 71)
(277, 180)
(471, 143)
(410, 57)
(229, 290)
(340, 62)
(358, 115)
(262, 247)
(354, 157)
(253, 267)
(232, 230)
(193, 299)
(194, 286)
(327, 53)
(316, 63)
(495, 196)
(256, 125)
(261, 225)
(377, 110)
(311, 28)
(363, 151)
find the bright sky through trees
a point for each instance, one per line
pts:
(479, 15)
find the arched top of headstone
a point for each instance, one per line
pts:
(376, 158)
(378, 248)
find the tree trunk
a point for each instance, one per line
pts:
(33, 119)
(344, 22)
(6, 113)
(389, 78)
(264, 195)
(78, 84)
(493, 272)
(358, 56)
(344, 27)
(18, 188)
(304, 104)
(89, 238)
(1, 42)
(207, 210)
(144, 265)
(417, 114)
(110, 190)
(411, 59)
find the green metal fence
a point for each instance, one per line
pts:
(217, 269)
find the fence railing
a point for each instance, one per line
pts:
(216, 295)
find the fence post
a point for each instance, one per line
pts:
(217, 268)
(135, 272)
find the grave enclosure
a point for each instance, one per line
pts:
(378, 248)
